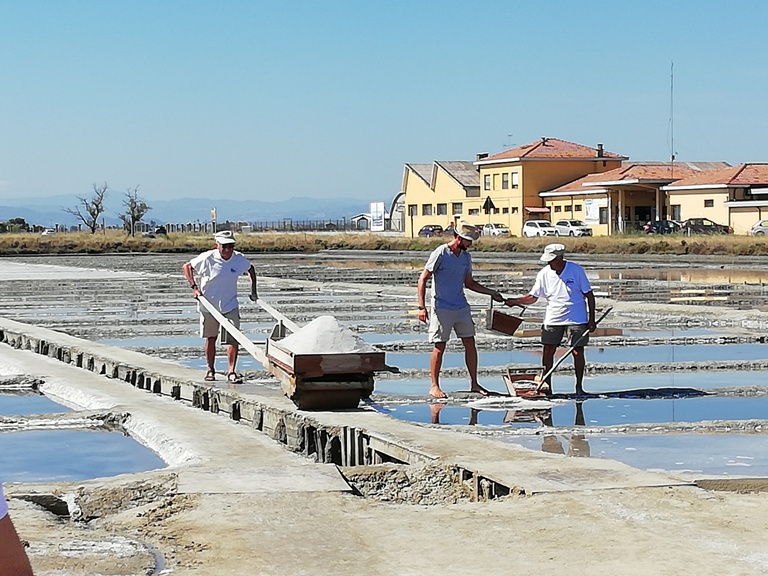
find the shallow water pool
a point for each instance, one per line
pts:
(71, 455)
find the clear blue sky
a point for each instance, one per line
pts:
(271, 100)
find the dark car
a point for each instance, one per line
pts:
(451, 230)
(431, 230)
(662, 227)
(704, 226)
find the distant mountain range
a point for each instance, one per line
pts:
(48, 211)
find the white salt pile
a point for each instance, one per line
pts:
(324, 335)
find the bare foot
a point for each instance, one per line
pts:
(436, 392)
(482, 391)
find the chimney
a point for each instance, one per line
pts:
(481, 156)
(599, 150)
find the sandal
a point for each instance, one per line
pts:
(210, 376)
(235, 378)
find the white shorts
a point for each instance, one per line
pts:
(209, 326)
(441, 322)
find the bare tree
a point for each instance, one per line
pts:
(89, 209)
(135, 209)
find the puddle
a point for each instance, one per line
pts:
(706, 454)
(595, 353)
(71, 455)
(592, 412)
(564, 383)
(26, 404)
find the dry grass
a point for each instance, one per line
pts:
(118, 242)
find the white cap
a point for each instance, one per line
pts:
(467, 231)
(552, 251)
(224, 237)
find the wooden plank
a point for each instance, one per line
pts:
(241, 338)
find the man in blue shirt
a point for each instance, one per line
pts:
(450, 267)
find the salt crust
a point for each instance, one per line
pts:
(324, 335)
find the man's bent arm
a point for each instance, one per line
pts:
(422, 287)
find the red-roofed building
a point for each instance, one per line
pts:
(622, 199)
(515, 178)
(736, 196)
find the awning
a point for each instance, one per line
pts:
(536, 210)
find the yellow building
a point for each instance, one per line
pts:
(622, 199)
(503, 188)
(514, 179)
(736, 196)
(440, 193)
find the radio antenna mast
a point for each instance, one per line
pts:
(672, 112)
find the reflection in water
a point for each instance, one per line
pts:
(577, 443)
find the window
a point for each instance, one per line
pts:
(505, 210)
(709, 203)
(505, 181)
(457, 207)
(426, 209)
(514, 180)
(603, 214)
(442, 209)
(487, 182)
(558, 208)
(495, 181)
(676, 212)
(474, 211)
(569, 208)
(514, 209)
(577, 208)
(412, 210)
(495, 210)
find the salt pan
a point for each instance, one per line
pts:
(324, 335)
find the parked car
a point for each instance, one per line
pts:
(704, 226)
(661, 227)
(495, 230)
(572, 228)
(759, 228)
(430, 230)
(48, 232)
(161, 231)
(450, 230)
(538, 228)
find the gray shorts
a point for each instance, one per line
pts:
(552, 335)
(209, 326)
(441, 322)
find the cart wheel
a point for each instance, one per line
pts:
(327, 399)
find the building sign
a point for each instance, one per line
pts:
(592, 209)
(377, 216)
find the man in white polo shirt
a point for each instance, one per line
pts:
(450, 267)
(218, 271)
(570, 308)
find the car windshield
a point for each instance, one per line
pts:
(577, 223)
(501, 226)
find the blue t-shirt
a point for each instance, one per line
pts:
(448, 274)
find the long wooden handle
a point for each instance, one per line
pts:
(570, 350)
(242, 339)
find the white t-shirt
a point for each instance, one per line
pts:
(564, 294)
(217, 278)
(3, 503)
